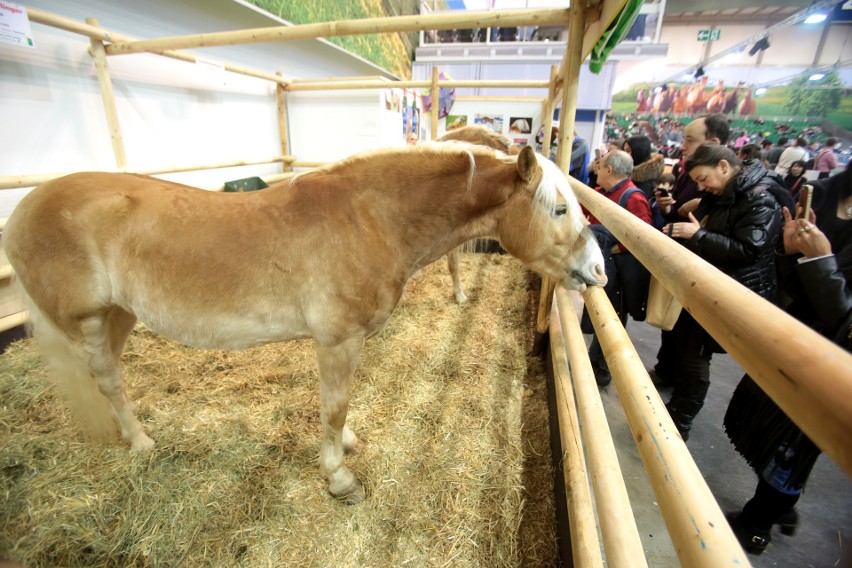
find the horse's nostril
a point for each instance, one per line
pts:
(599, 270)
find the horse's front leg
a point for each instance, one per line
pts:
(453, 265)
(337, 366)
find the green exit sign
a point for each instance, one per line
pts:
(709, 35)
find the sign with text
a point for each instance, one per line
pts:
(14, 25)
(709, 35)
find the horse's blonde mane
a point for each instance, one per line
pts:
(471, 150)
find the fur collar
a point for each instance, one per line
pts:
(651, 169)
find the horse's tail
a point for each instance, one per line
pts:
(71, 375)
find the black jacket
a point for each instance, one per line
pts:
(819, 292)
(743, 227)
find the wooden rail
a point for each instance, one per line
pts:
(697, 526)
(807, 375)
(443, 21)
(11, 182)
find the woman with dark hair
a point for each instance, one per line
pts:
(815, 273)
(749, 152)
(736, 228)
(647, 167)
(795, 178)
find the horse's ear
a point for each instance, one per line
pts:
(527, 164)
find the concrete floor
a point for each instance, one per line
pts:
(825, 508)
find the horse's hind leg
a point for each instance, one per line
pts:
(336, 366)
(105, 336)
(453, 265)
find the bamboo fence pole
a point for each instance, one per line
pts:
(808, 376)
(585, 547)
(352, 84)
(497, 98)
(547, 113)
(308, 164)
(98, 55)
(621, 538)
(570, 90)
(94, 32)
(11, 182)
(281, 102)
(443, 21)
(335, 79)
(69, 25)
(471, 83)
(14, 320)
(571, 85)
(702, 537)
(6, 272)
(435, 102)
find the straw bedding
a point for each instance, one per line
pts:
(451, 409)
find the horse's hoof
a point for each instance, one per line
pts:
(461, 298)
(353, 495)
(142, 444)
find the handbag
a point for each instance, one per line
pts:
(663, 310)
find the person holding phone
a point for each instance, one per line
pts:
(736, 228)
(815, 278)
(795, 178)
(683, 198)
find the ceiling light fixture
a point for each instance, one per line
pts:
(815, 18)
(816, 76)
(759, 45)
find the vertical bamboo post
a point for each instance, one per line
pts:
(547, 111)
(570, 88)
(571, 85)
(99, 56)
(281, 100)
(436, 91)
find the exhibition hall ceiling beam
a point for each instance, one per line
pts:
(443, 21)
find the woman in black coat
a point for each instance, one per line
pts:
(795, 178)
(736, 228)
(818, 292)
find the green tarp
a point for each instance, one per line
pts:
(614, 34)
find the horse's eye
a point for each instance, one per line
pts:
(561, 209)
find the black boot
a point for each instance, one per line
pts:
(682, 414)
(684, 405)
(754, 540)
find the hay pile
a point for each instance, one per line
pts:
(451, 409)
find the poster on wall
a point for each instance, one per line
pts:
(393, 100)
(492, 121)
(521, 141)
(14, 25)
(520, 124)
(410, 112)
(456, 121)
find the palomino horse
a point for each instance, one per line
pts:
(325, 255)
(483, 136)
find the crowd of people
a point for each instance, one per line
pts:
(733, 201)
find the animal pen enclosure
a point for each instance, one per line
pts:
(816, 394)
